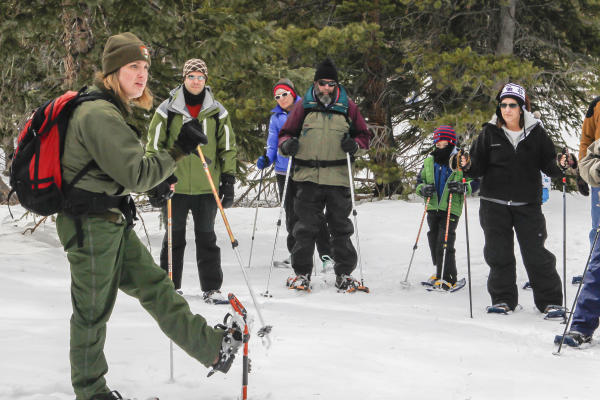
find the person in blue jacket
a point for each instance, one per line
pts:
(286, 97)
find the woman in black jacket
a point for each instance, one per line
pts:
(508, 156)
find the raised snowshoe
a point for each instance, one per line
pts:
(233, 339)
(214, 297)
(574, 339)
(347, 283)
(555, 312)
(299, 282)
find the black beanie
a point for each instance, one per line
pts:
(326, 70)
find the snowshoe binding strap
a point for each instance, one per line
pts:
(555, 312)
(299, 282)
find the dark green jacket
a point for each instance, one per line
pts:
(98, 131)
(427, 177)
(221, 148)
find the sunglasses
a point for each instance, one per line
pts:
(326, 83)
(199, 78)
(510, 105)
(283, 94)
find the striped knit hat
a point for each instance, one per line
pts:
(444, 132)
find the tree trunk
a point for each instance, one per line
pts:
(507, 28)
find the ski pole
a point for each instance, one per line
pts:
(255, 216)
(362, 286)
(285, 187)
(446, 238)
(404, 282)
(170, 265)
(264, 330)
(464, 181)
(587, 264)
(564, 181)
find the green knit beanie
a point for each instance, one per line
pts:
(122, 49)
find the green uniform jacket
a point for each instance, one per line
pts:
(428, 178)
(220, 149)
(97, 130)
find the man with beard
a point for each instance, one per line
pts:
(435, 182)
(319, 133)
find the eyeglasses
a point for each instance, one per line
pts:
(282, 94)
(199, 78)
(510, 105)
(327, 83)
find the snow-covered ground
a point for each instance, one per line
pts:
(390, 344)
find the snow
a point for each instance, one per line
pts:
(392, 343)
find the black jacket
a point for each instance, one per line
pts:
(508, 174)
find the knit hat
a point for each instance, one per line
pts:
(326, 70)
(123, 49)
(514, 91)
(285, 84)
(195, 65)
(444, 132)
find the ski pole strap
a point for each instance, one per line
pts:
(504, 202)
(320, 163)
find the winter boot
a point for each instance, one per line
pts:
(114, 395)
(555, 312)
(573, 339)
(299, 282)
(214, 297)
(327, 262)
(233, 339)
(500, 308)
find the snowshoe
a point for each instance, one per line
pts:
(233, 339)
(527, 285)
(500, 308)
(576, 280)
(444, 286)
(287, 263)
(574, 339)
(299, 282)
(214, 297)
(555, 312)
(429, 282)
(347, 284)
(327, 262)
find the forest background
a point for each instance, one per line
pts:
(410, 65)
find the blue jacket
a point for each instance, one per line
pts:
(278, 118)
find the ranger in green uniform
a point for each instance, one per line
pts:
(95, 227)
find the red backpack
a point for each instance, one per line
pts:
(36, 173)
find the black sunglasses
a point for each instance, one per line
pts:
(327, 83)
(510, 105)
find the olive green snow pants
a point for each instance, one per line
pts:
(113, 258)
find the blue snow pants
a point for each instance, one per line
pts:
(587, 310)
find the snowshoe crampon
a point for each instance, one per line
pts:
(555, 312)
(347, 284)
(298, 282)
(574, 339)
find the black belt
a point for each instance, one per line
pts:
(320, 163)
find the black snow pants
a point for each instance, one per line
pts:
(437, 231)
(323, 244)
(208, 254)
(528, 222)
(314, 205)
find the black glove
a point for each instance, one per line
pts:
(427, 190)
(190, 136)
(349, 145)
(226, 190)
(290, 147)
(159, 194)
(456, 187)
(582, 185)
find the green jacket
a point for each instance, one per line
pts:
(98, 131)
(220, 149)
(427, 177)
